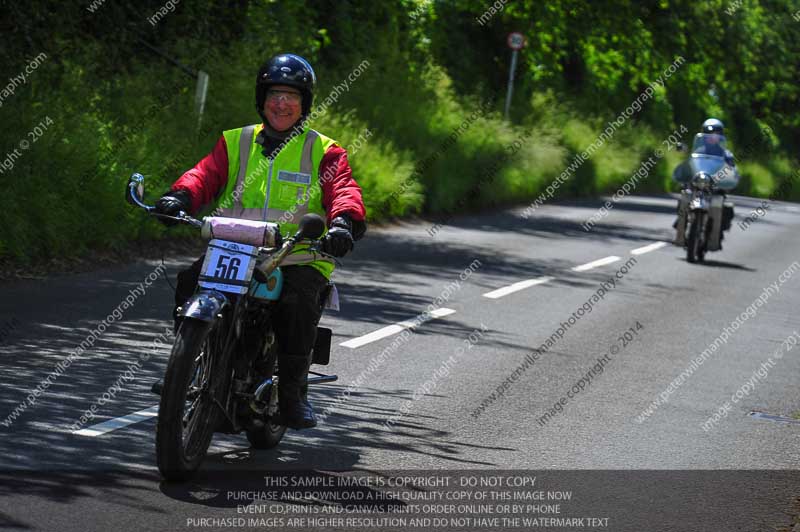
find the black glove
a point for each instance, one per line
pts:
(171, 204)
(339, 240)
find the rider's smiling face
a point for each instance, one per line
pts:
(282, 106)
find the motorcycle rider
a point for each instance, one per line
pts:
(713, 131)
(276, 171)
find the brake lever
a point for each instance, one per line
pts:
(316, 247)
(181, 217)
(334, 259)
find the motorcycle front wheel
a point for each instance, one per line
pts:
(695, 249)
(186, 413)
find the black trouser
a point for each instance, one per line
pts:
(298, 310)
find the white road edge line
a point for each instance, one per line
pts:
(595, 263)
(516, 287)
(648, 248)
(394, 329)
(117, 423)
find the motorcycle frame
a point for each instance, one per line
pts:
(211, 306)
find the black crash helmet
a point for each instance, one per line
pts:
(286, 69)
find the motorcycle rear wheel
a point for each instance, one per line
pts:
(186, 413)
(267, 437)
(271, 433)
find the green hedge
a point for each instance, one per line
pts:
(422, 121)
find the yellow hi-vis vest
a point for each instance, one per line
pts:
(281, 189)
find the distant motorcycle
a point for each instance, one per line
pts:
(223, 374)
(703, 210)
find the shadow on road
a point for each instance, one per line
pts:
(544, 226)
(722, 264)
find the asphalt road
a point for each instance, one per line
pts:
(421, 400)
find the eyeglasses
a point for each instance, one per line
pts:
(288, 97)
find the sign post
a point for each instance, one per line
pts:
(515, 41)
(200, 95)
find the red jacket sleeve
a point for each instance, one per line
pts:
(340, 192)
(207, 179)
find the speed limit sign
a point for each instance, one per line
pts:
(515, 40)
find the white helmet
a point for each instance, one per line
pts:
(712, 125)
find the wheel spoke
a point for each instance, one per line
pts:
(194, 398)
(187, 414)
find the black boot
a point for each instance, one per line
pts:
(296, 411)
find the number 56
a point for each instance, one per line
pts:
(227, 271)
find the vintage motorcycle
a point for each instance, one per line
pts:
(223, 374)
(703, 209)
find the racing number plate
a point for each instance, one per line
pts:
(228, 266)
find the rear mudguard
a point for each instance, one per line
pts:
(204, 306)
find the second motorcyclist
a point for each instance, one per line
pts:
(710, 141)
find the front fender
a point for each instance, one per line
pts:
(204, 305)
(699, 203)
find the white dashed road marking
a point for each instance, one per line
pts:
(595, 263)
(117, 423)
(648, 248)
(394, 329)
(516, 287)
(143, 415)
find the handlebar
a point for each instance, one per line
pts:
(136, 189)
(311, 227)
